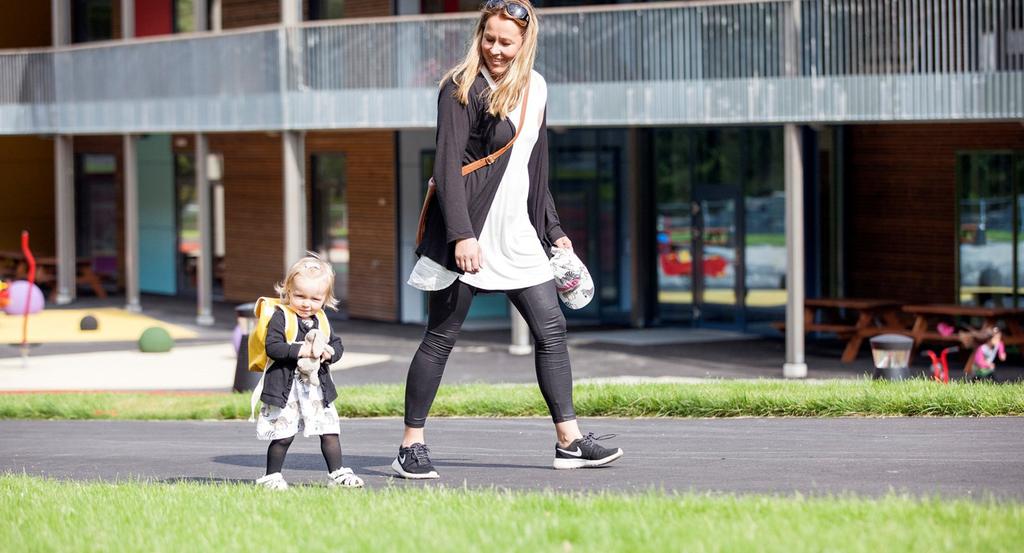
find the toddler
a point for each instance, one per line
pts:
(291, 402)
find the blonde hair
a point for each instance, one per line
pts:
(311, 267)
(512, 84)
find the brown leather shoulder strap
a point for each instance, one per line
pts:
(469, 168)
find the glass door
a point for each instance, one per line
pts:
(96, 237)
(187, 221)
(584, 186)
(330, 218)
(717, 265)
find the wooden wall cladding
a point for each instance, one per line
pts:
(247, 13)
(370, 180)
(901, 205)
(27, 181)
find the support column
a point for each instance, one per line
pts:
(131, 223)
(204, 270)
(64, 175)
(60, 21)
(795, 366)
(216, 21)
(291, 12)
(127, 19)
(520, 333)
(200, 13)
(131, 187)
(294, 148)
(295, 225)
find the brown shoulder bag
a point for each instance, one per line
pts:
(470, 167)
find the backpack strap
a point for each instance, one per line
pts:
(291, 331)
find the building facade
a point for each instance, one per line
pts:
(674, 130)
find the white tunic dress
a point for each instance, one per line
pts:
(513, 256)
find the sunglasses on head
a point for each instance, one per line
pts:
(513, 10)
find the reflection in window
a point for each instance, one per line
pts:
(92, 20)
(989, 213)
(189, 245)
(712, 161)
(326, 9)
(330, 218)
(184, 16)
(96, 213)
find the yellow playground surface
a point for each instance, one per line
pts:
(61, 325)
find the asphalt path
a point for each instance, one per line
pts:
(948, 457)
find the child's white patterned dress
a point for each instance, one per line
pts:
(303, 412)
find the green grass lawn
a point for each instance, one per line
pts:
(46, 515)
(712, 399)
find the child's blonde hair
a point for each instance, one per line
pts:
(311, 267)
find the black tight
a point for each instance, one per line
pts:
(330, 446)
(447, 311)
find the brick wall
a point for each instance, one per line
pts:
(246, 13)
(370, 181)
(253, 215)
(901, 205)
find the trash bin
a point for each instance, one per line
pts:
(891, 354)
(245, 380)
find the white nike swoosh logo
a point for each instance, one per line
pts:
(401, 459)
(576, 453)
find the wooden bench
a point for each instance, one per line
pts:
(873, 317)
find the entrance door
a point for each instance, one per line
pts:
(330, 218)
(718, 262)
(585, 189)
(96, 217)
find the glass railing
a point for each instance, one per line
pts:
(678, 63)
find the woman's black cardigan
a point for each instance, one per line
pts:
(464, 135)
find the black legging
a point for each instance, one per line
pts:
(330, 446)
(447, 311)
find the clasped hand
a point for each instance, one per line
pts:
(470, 258)
(307, 351)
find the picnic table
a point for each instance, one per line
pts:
(46, 271)
(927, 317)
(873, 317)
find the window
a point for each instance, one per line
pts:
(989, 225)
(92, 20)
(184, 16)
(326, 9)
(330, 218)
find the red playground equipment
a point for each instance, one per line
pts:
(940, 366)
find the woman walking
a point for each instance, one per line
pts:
(493, 227)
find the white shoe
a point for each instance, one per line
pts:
(272, 482)
(344, 478)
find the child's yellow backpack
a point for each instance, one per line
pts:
(264, 310)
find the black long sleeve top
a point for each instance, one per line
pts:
(466, 133)
(277, 383)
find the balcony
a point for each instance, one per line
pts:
(819, 61)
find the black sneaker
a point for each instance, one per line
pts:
(414, 462)
(583, 452)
